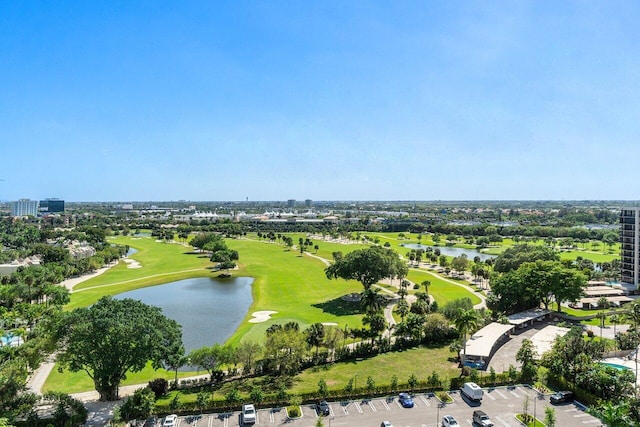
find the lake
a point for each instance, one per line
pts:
(208, 309)
(451, 251)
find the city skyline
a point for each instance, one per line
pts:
(326, 101)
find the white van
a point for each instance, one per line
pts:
(472, 391)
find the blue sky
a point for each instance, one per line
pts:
(326, 100)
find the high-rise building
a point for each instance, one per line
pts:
(308, 203)
(291, 203)
(51, 205)
(24, 207)
(630, 246)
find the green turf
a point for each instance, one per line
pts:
(418, 361)
(442, 290)
(76, 382)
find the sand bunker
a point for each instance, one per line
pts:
(261, 316)
(132, 263)
(329, 323)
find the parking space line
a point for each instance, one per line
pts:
(499, 393)
(574, 409)
(504, 423)
(525, 390)
(426, 402)
(580, 415)
(226, 420)
(271, 417)
(358, 408)
(490, 396)
(372, 406)
(513, 392)
(344, 408)
(384, 402)
(591, 422)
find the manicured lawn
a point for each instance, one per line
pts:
(440, 289)
(294, 286)
(160, 263)
(77, 382)
(418, 361)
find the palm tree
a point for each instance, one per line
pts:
(614, 415)
(465, 321)
(603, 303)
(614, 319)
(371, 301)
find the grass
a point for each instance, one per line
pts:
(76, 382)
(160, 263)
(381, 368)
(534, 423)
(291, 284)
(441, 290)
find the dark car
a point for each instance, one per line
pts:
(405, 400)
(152, 421)
(562, 396)
(323, 408)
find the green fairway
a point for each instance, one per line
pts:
(441, 290)
(159, 263)
(292, 285)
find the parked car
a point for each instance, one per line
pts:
(480, 418)
(562, 396)
(170, 420)
(152, 421)
(323, 408)
(386, 424)
(405, 400)
(449, 421)
(248, 414)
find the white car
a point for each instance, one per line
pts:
(170, 420)
(248, 414)
(449, 421)
(386, 424)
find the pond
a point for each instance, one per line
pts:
(452, 251)
(209, 310)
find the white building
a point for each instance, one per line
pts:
(24, 207)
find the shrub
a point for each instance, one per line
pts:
(159, 386)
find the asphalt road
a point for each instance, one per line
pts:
(501, 404)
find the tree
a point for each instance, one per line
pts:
(515, 256)
(208, 358)
(377, 324)
(248, 353)
(113, 337)
(368, 266)
(550, 416)
(527, 354)
(615, 415)
(465, 321)
(314, 335)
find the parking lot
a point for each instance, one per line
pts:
(501, 404)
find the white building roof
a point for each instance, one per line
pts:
(543, 339)
(526, 316)
(481, 343)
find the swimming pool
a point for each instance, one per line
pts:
(615, 365)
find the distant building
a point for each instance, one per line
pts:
(291, 203)
(630, 247)
(308, 203)
(51, 205)
(24, 207)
